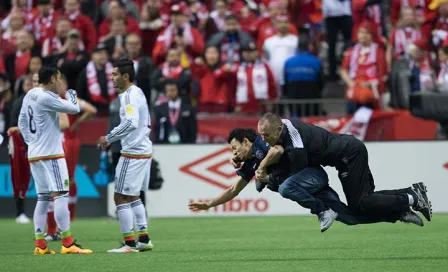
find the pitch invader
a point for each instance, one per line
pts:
(39, 125)
(133, 169)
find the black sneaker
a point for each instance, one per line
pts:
(411, 217)
(422, 205)
(422, 187)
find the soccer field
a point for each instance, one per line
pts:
(240, 244)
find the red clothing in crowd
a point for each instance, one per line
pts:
(400, 38)
(249, 81)
(45, 27)
(131, 27)
(87, 29)
(2, 65)
(365, 64)
(421, 7)
(166, 40)
(21, 64)
(215, 95)
(371, 14)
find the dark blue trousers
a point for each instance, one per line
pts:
(310, 189)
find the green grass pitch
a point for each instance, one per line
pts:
(240, 244)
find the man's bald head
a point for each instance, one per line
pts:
(269, 127)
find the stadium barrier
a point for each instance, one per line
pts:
(201, 172)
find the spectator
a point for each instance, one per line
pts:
(171, 69)
(94, 83)
(21, 7)
(15, 25)
(200, 19)
(406, 32)
(175, 121)
(266, 28)
(16, 64)
(442, 80)
(82, 23)
(255, 82)
(215, 95)
(219, 14)
(34, 66)
(59, 43)
(180, 34)
(338, 19)
(422, 75)
(151, 25)
(420, 7)
(142, 64)
(17, 104)
(116, 11)
(438, 26)
(371, 11)
(303, 77)
(115, 39)
(6, 47)
(91, 9)
(230, 41)
(129, 7)
(364, 70)
(44, 21)
(72, 59)
(246, 17)
(5, 104)
(235, 6)
(279, 48)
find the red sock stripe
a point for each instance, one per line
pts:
(67, 241)
(41, 243)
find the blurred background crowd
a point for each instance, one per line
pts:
(229, 56)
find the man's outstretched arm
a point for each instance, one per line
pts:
(229, 194)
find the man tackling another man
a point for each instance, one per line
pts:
(311, 184)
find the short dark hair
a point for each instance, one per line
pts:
(272, 118)
(230, 17)
(125, 66)
(45, 74)
(171, 81)
(240, 133)
(304, 40)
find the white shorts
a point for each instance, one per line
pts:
(132, 176)
(50, 175)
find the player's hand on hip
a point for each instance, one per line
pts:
(102, 143)
(198, 206)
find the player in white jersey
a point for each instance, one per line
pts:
(39, 126)
(133, 169)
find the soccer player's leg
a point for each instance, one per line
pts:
(144, 243)
(59, 186)
(20, 174)
(125, 192)
(300, 187)
(41, 177)
(72, 155)
(52, 233)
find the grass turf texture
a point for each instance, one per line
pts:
(240, 244)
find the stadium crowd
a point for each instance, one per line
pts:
(224, 55)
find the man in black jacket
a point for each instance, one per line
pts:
(230, 41)
(175, 120)
(307, 145)
(73, 60)
(143, 64)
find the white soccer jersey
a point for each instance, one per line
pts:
(135, 125)
(39, 122)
